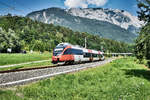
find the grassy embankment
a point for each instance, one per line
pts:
(8, 59)
(122, 79)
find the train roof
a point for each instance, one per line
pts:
(68, 44)
(63, 44)
(79, 47)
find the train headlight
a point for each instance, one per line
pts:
(59, 56)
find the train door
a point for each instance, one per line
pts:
(78, 55)
(81, 58)
(76, 58)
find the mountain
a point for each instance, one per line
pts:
(70, 19)
(118, 17)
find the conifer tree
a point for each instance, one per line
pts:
(142, 49)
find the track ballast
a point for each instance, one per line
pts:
(24, 76)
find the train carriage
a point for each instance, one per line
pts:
(67, 53)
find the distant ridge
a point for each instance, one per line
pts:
(76, 20)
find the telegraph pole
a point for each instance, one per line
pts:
(85, 43)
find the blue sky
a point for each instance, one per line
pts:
(23, 7)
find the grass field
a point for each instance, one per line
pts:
(122, 79)
(7, 59)
(32, 65)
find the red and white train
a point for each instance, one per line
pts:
(67, 53)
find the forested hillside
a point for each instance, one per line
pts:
(21, 33)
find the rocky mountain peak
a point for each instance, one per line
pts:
(115, 16)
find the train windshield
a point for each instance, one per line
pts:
(57, 51)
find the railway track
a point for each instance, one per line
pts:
(26, 69)
(24, 76)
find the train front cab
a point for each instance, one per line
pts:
(68, 55)
(57, 53)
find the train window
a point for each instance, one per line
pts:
(100, 55)
(87, 54)
(68, 51)
(84, 54)
(94, 55)
(77, 52)
(58, 52)
(73, 51)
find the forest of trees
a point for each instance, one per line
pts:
(21, 33)
(142, 49)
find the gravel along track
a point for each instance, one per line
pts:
(24, 77)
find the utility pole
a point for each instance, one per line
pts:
(85, 43)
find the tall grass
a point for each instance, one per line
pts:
(122, 79)
(6, 59)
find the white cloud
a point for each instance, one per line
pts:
(76, 3)
(84, 3)
(97, 2)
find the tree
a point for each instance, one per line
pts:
(39, 46)
(142, 49)
(144, 13)
(9, 40)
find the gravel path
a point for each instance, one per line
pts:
(20, 78)
(5, 66)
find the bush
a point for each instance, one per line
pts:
(148, 64)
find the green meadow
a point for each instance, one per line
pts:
(7, 59)
(122, 79)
